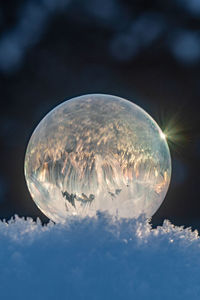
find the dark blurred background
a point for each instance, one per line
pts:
(145, 51)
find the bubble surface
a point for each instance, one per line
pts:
(97, 152)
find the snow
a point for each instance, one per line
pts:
(98, 258)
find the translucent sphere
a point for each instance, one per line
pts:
(97, 153)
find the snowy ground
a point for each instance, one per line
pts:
(98, 259)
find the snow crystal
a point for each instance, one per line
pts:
(98, 258)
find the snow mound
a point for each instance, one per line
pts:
(98, 258)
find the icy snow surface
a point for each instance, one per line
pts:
(98, 259)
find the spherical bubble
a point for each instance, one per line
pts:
(97, 153)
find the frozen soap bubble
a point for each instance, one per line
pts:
(97, 152)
